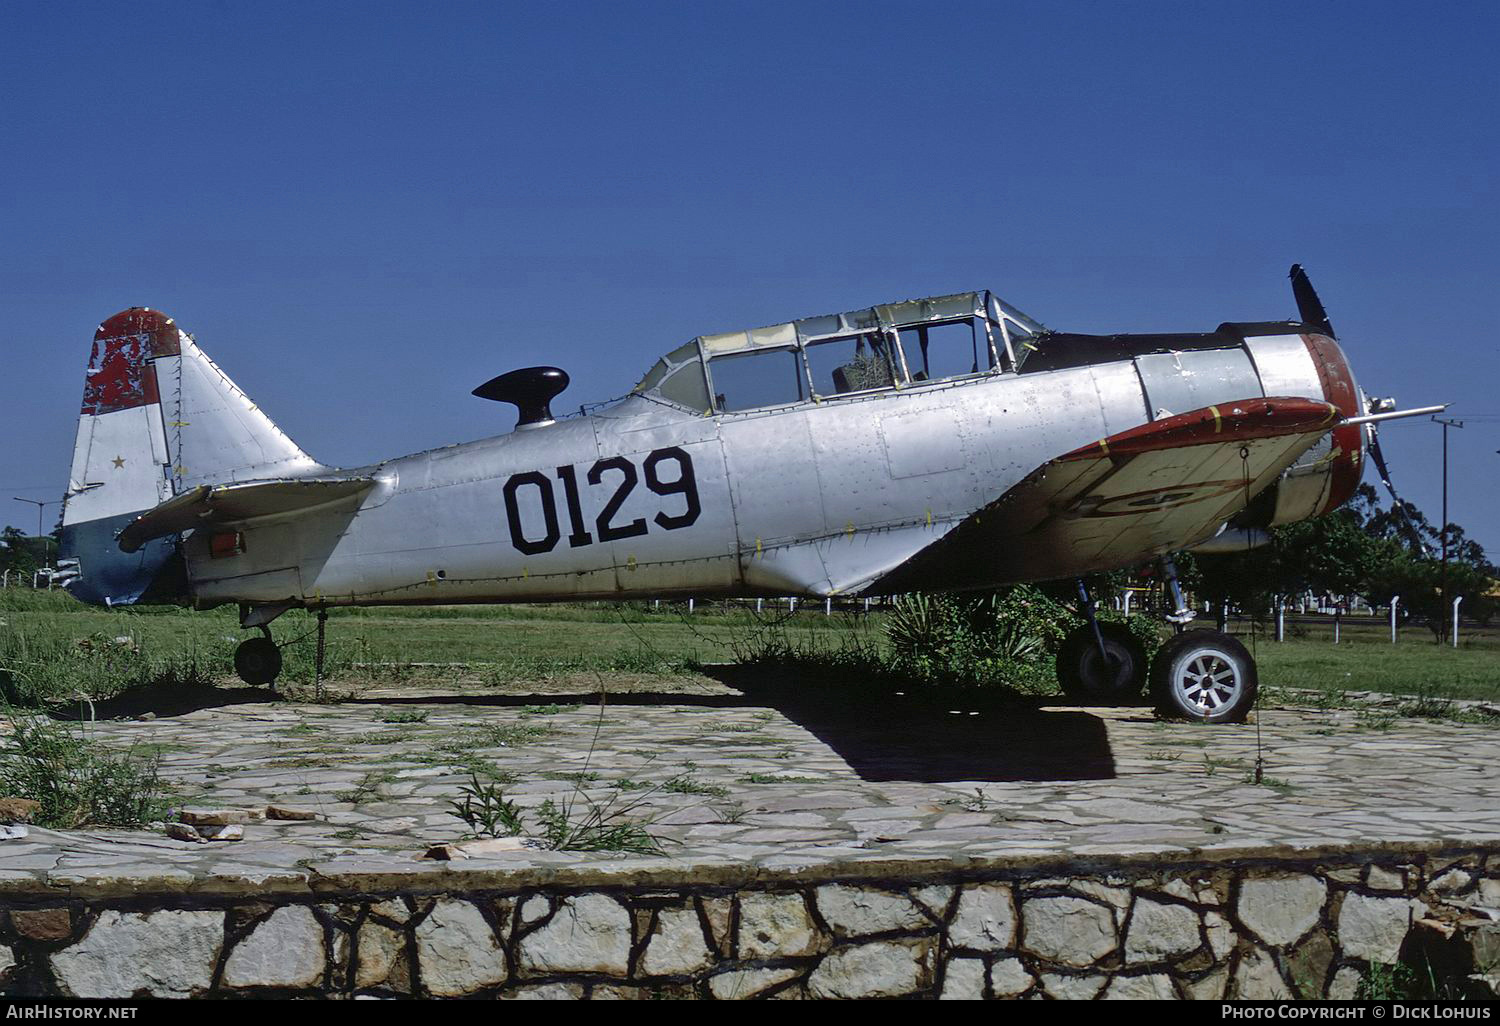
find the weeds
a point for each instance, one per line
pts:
(78, 781)
(600, 828)
(980, 801)
(685, 784)
(487, 811)
(772, 778)
(730, 813)
(368, 787)
(493, 736)
(504, 735)
(1405, 982)
(388, 737)
(406, 716)
(581, 823)
(1274, 783)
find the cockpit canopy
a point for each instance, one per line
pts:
(897, 345)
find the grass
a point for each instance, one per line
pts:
(1365, 659)
(53, 648)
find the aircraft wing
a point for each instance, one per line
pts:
(236, 502)
(1156, 488)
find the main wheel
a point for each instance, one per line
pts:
(1204, 675)
(1115, 676)
(257, 661)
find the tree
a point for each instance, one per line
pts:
(18, 551)
(1361, 549)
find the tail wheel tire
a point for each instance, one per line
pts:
(1205, 676)
(1116, 676)
(257, 661)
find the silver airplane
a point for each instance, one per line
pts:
(941, 444)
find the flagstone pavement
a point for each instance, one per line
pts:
(739, 784)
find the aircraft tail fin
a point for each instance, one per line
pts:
(159, 418)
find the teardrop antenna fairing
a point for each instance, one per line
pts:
(530, 389)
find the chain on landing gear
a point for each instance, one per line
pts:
(1100, 663)
(318, 657)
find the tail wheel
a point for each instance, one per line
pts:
(1205, 676)
(1115, 676)
(257, 661)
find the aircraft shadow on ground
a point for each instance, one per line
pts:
(880, 735)
(161, 700)
(933, 737)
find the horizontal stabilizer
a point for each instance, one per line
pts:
(233, 503)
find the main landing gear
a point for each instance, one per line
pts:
(258, 660)
(1101, 663)
(1197, 675)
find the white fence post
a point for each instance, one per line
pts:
(1395, 601)
(1456, 602)
(1280, 619)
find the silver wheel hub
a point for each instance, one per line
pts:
(1208, 680)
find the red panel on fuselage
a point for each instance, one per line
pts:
(1244, 419)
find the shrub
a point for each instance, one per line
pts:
(992, 639)
(1006, 639)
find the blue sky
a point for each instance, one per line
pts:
(362, 211)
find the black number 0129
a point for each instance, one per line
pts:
(617, 472)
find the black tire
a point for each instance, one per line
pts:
(1205, 676)
(257, 661)
(1087, 679)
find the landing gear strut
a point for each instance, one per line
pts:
(1182, 614)
(1101, 663)
(1200, 675)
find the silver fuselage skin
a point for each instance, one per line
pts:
(820, 498)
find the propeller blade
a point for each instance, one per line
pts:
(1385, 479)
(1309, 306)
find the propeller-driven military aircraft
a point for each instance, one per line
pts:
(941, 444)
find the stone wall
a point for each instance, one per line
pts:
(1251, 929)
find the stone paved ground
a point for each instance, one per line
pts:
(775, 779)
